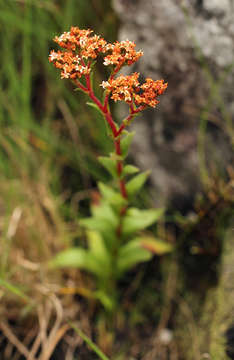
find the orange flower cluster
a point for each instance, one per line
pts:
(87, 46)
(123, 87)
(149, 92)
(128, 89)
(81, 48)
(79, 45)
(122, 53)
(69, 63)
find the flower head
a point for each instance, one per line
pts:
(122, 53)
(81, 41)
(123, 87)
(69, 63)
(79, 46)
(128, 89)
(149, 92)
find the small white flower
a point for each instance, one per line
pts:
(65, 74)
(53, 55)
(83, 41)
(107, 62)
(64, 36)
(84, 70)
(105, 84)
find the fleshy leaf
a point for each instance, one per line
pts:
(103, 226)
(131, 254)
(130, 169)
(136, 219)
(135, 184)
(78, 258)
(92, 223)
(104, 211)
(116, 157)
(106, 300)
(126, 142)
(156, 246)
(98, 250)
(113, 197)
(96, 244)
(106, 191)
(109, 164)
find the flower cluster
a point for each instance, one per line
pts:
(122, 53)
(82, 47)
(87, 46)
(128, 89)
(123, 87)
(149, 92)
(69, 63)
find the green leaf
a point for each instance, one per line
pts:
(129, 169)
(98, 250)
(155, 246)
(104, 211)
(94, 106)
(126, 142)
(109, 164)
(106, 191)
(105, 299)
(116, 157)
(103, 226)
(113, 197)
(78, 258)
(135, 184)
(92, 223)
(136, 219)
(131, 254)
(96, 245)
(74, 257)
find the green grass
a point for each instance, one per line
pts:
(34, 102)
(49, 138)
(49, 141)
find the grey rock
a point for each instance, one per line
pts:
(192, 52)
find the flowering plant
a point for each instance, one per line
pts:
(116, 241)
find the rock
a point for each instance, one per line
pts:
(190, 133)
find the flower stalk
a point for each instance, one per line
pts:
(112, 230)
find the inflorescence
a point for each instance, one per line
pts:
(81, 48)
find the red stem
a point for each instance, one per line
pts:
(124, 124)
(115, 132)
(120, 169)
(101, 107)
(82, 87)
(127, 120)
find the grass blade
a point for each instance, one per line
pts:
(89, 342)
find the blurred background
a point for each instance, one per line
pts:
(49, 142)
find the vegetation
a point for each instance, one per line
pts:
(49, 145)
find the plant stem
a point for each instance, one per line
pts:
(120, 169)
(116, 133)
